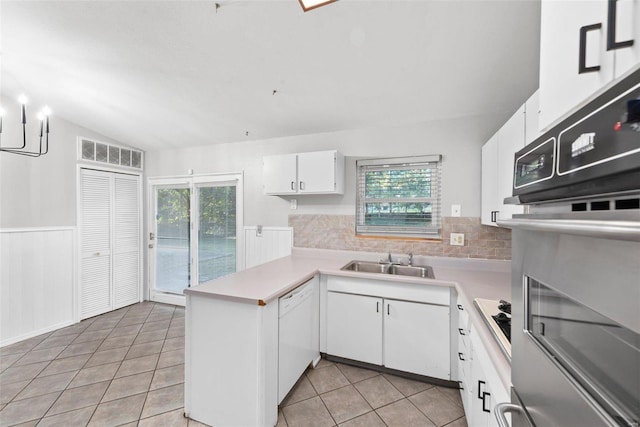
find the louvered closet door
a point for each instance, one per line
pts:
(126, 240)
(95, 269)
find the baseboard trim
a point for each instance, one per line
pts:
(22, 337)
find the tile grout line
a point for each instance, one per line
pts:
(62, 392)
(83, 366)
(154, 374)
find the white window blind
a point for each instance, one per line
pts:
(399, 196)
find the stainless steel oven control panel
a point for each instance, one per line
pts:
(600, 140)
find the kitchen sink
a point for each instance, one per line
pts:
(388, 268)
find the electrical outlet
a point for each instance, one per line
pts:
(457, 239)
(455, 210)
(294, 204)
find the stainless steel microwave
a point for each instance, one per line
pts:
(594, 151)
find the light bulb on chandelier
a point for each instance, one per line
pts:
(43, 117)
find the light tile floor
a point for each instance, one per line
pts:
(126, 368)
(338, 394)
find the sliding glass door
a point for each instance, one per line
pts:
(194, 232)
(172, 238)
(217, 231)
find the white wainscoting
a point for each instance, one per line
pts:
(274, 242)
(37, 281)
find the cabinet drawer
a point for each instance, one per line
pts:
(418, 292)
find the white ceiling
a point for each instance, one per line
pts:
(162, 74)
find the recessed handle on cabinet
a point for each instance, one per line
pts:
(293, 185)
(611, 28)
(461, 331)
(460, 356)
(480, 383)
(484, 401)
(301, 185)
(582, 57)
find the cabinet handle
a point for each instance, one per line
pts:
(461, 331)
(293, 185)
(494, 216)
(480, 382)
(301, 185)
(460, 356)
(582, 57)
(377, 306)
(460, 307)
(388, 305)
(611, 28)
(484, 401)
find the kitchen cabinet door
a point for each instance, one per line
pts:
(489, 200)
(562, 88)
(486, 388)
(480, 396)
(497, 169)
(423, 328)
(464, 356)
(317, 172)
(531, 113)
(627, 28)
(354, 327)
(510, 139)
(279, 174)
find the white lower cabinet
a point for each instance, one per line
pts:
(480, 386)
(407, 336)
(416, 338)
(354, 327)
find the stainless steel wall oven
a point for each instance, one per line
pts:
(575, 328)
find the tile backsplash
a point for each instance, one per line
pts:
(338, 232)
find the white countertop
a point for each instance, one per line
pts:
(471, 278)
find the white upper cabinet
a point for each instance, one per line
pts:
(574, 36)
(497, 169)
(627, 28)
(319, 172)
(280, 174)
(489, 202)
(531, 117)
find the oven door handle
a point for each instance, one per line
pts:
(502, 408)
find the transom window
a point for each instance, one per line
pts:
(399, 196)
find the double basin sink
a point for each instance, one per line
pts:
(390, 268)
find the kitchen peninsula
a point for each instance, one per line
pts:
(231, 363)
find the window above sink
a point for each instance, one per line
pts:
(399, 197)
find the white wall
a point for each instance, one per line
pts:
(37, 282)
(39, 192)
(459, 141)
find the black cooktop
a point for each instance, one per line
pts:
(503, 319)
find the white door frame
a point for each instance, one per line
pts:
(191, 181)
(78, 241)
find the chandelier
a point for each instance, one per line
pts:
(43, 116)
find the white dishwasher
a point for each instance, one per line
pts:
(297, 341)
